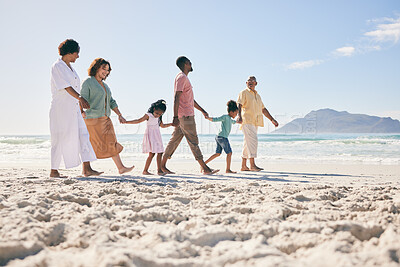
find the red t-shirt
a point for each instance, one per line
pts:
(186, 100)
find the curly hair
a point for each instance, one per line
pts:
(69, 46)
(96, 64)
(232, 106)
(159, 105)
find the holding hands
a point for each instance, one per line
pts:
(121, 119)
(84, 104)
(175, 121)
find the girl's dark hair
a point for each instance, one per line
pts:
(96, 65)
(232, 106)
(160, 105)
(69, 46)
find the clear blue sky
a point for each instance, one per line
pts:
(306, 55)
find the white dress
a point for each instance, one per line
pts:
(69, 135)
(152, 141)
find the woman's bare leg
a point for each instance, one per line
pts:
(88, 171)
(55, 174)
(121, 168)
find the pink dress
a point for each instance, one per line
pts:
(152, 141)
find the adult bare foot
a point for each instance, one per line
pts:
(146, 173)
(209, 171)
(165, 170)
(125, 170)
(229, 171)
(256, 169)
(161, 173)
(245, 169)
(56, 174)
(88, 173)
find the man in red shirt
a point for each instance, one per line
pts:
(184, 122)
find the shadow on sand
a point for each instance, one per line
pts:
(174, 179)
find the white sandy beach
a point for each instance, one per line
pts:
(286, 215)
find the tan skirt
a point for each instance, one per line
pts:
(102, 137)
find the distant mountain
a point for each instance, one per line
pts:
(332, 121)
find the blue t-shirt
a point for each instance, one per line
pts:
(226, 125)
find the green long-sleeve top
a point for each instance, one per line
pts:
(100, 102)
(226, 125)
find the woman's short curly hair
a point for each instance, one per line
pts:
(96, 64)
(69, 46)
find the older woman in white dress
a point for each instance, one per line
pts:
(69, 135)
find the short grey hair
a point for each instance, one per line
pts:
(252, 78)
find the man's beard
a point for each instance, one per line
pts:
(191, 69)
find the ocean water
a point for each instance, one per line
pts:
(275, 148)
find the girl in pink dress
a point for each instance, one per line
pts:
(152, 142)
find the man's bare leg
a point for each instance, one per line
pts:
(205, 168)
(253, 166)
(244, 165)
(164, 165)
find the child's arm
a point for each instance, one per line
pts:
(209, 118)
(162, 125)
(142, 119)
(215, 119)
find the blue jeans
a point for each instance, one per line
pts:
(223, 143)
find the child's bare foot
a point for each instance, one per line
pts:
(56, 174)
(166, 171)
(88, 173)
(245, 169)
(229, 171)
(146, 173)
(125, 169)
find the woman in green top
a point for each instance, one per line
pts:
(97, 117)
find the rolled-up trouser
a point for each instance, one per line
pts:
(186, 128)
(250, 142)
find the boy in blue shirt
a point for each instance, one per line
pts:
(222, 137)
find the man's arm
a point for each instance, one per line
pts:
(239, 120)
(268, 115)
(175, 121)
(197, 106)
